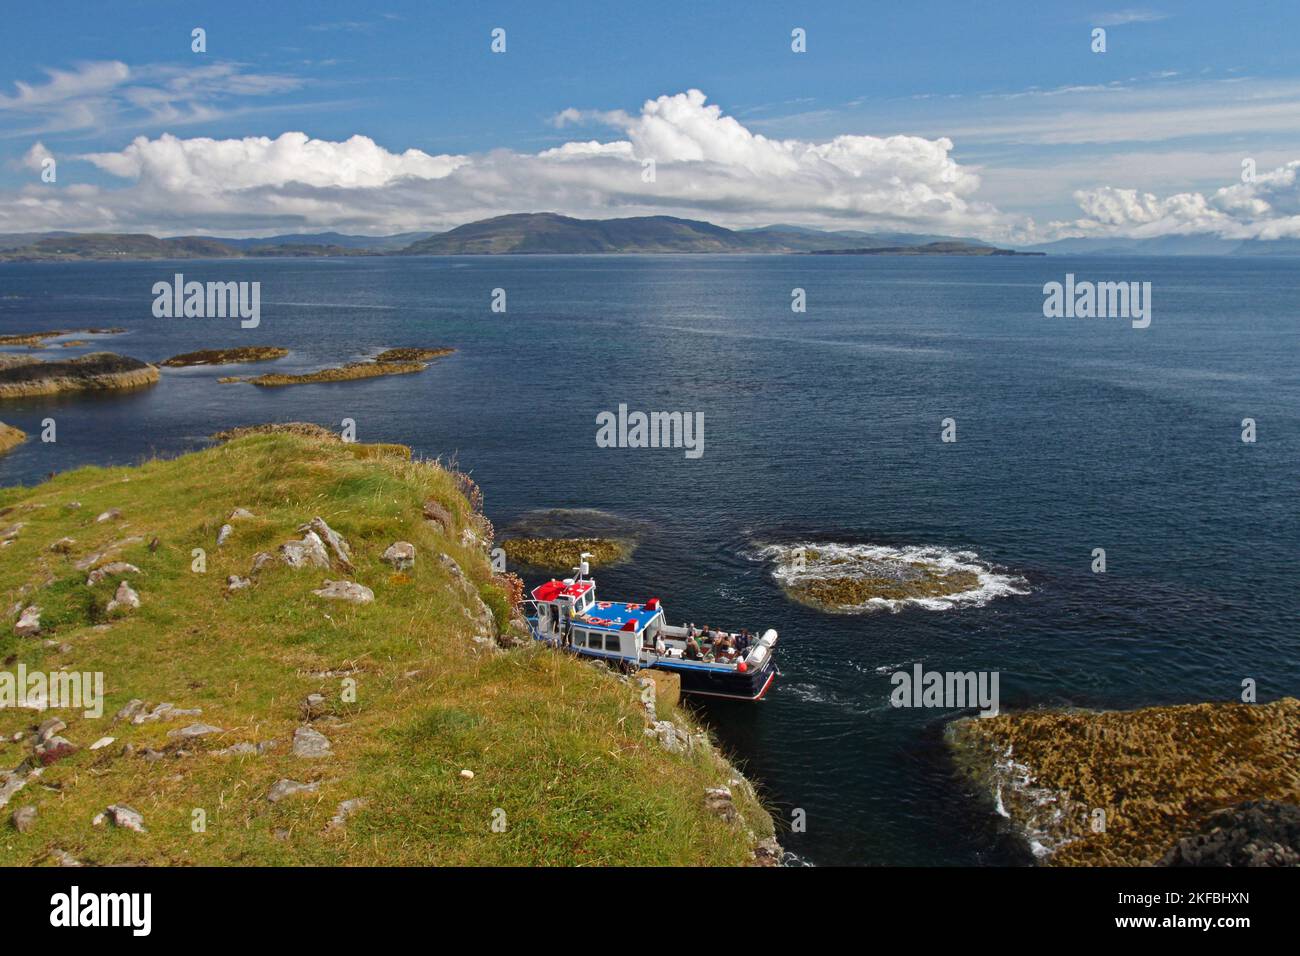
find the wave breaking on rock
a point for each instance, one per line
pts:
(861, 578)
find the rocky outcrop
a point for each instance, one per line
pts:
(1264, 833)
(97, 371)
(348, 591)
(124, 600)
(401, 555)
(1119, 788)
(10, 437)
(309, 552)
(247, 353)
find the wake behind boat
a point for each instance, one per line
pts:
(630, 635)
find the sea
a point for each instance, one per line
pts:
(823, 429)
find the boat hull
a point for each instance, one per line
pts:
(704, 681)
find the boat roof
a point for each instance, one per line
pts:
(553, 589)
(615, 615)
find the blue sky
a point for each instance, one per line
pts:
(978, 119)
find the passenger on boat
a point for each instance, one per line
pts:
(743, 641)
(693, 649)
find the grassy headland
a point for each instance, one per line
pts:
(557, 750)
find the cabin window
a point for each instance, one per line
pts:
(593, 640)
(611, 642)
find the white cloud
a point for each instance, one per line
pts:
(110, 95)
(708, 165)
(1266, 208)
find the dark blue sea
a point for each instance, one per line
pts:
(821, 427)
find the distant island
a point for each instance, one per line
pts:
(517, 234)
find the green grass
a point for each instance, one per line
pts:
(556, 744)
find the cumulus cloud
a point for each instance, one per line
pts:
(1266, 207)
(706, 164)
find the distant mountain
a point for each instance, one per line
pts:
(957, 248)
(545, 232)
(329, 239)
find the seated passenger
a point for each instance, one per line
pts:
(742, 641)
(693, 649)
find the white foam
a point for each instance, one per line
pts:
(868, 560)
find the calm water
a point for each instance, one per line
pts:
(1072, 434)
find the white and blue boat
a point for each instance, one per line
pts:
(567, 614)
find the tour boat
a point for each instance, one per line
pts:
(567, 614)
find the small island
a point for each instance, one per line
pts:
(235, 356)
(10, 437)
(1126, 788)
(36, 339)
(563, 554)
(403, 361)
(21, 377)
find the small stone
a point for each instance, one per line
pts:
(345, 810)
(130, 709)
(63, 857)
(718, 800)
(338, 544)
(236, 583)
(288, 788)
(348, 591)
(310, 744)
(261, 560)
(195, 730)
(313, 706)
(29, 622)
(62, 546)
(435, 512)
(126, 818)
(223, 534)
(401, 555)
(110, 570)
(125, 599)
(467, 774)
(49, 728)
(102, 742)
(112, 514)
(73, 505)
(24, 818)
(309, 552)
(240, 513)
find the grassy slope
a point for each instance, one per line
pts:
(557, 744)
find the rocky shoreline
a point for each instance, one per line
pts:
(1128, 788)
(21, 377)
(400, 361)
(10, 437)
(235, 356)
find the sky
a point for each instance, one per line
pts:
(994, 121)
